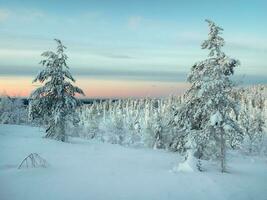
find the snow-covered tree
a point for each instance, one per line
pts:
(252, 124)
(252, 118)
(206, 116)
(12, 110)
(55, 100)
(89, 121)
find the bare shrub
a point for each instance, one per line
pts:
(33, 161)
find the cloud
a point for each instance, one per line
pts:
(28, 15)
(136, 75)
(235, 41)
(4, 14)
(144, 75)
(134, 22)
(116, 56)
(21, 15)
(245, 79)
(104, 74)
(258, 46)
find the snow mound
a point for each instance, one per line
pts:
(189, 165)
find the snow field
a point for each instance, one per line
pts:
(88, 169)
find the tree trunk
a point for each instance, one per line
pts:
(57, 131)
(222, 151)
(61, 131)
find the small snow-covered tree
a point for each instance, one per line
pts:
(252, 124)
(56, 98)
(12, 110)
(252, 116)
(206, 116)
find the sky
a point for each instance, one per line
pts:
(125, 48)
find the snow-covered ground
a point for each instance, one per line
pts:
(89, 170)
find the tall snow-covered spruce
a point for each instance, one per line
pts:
(55, 100)
(208, 114)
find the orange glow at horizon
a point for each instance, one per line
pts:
(97, 88)
(17, 86)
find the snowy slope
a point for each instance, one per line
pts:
(85, 170)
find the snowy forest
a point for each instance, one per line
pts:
(216, 129)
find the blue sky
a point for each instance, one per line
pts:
(131, 40)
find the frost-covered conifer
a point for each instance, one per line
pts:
(55, 99)
(252, 124)
(252, 118)
(205, 115)
(12, 110)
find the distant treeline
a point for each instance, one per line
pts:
(84, 101)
